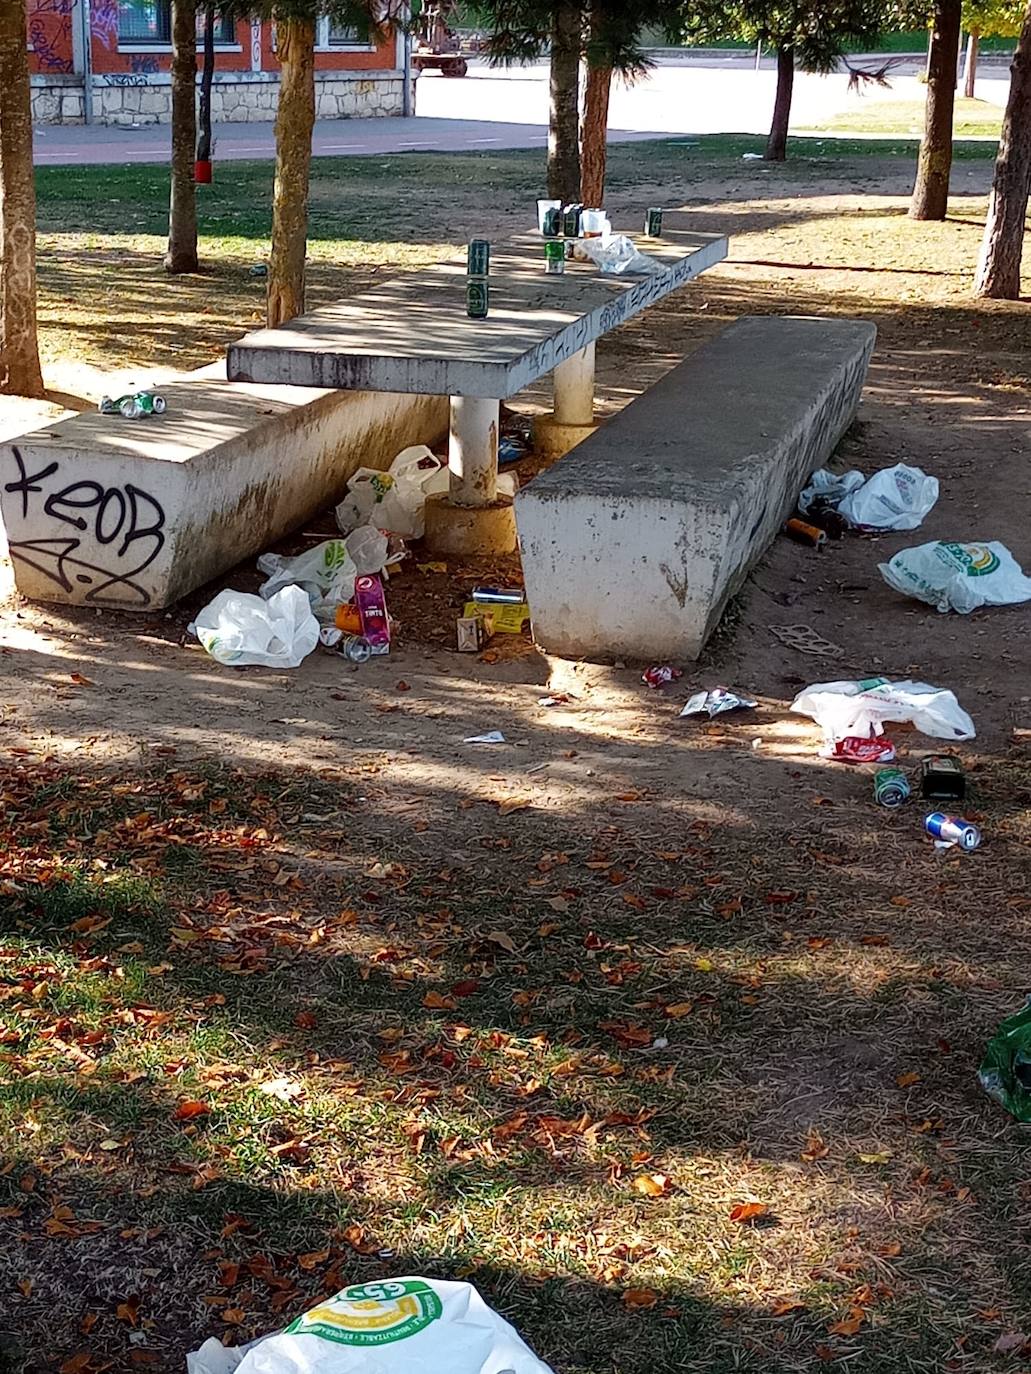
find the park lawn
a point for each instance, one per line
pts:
(905, 118)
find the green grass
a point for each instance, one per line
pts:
(973, 119)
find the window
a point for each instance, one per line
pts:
(149, 23)
(332, 34)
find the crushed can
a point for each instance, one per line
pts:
(891, 787)
(952, 830)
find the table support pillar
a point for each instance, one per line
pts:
(573, 418)
(472, 518)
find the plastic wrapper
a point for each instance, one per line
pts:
(241, 630)
(958, 577)
(1005, 1071)
(715, 702)
(401, 1326)
(659, 674)
(861, 708)
(896, 498)
(325, 573)
(855, 749)
(829, 487)
(617, 254)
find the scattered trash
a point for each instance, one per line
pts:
(559, 699)
(861, 708)
(473, 632)
(803, 533)
(324, 573)
(958, 577)
(1005, 1072)
(431, 567)
(950, 831)
(259, 269)
(829, 488)
(897, 498)
(368, 549)
(659, 674)
(617, 255)
(392, 1327)
(856, 749)
(394, 500)
(491, 737)
(239, 629)
(751, 157)
(891, 787)
(134, 405)
(806, 640)
(941, 778)
(508, 619)
(348, 619)
(500, 596)
(372, 611)
(512, 449)
(717, 701)
(354, 647)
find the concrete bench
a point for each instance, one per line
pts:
(634, 542)
(100, 510)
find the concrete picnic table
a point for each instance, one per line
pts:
(412, 334)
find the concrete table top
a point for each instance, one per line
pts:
(413, 334)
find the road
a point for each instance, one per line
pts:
(685, 94)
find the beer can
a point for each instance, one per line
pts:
(891, 787)
(803, 533)
(552, 222)
(952, 830)
(479, 257)
(554, 256)
(653, 223)
(477, 298)
(571, 221)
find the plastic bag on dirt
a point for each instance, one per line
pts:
(240, 629)
(404, 1326)
(958, 577)
(394, 500)
(1005, 1072)
(326, 573)
(896, 499)
(618, 255)
(829, 487)
(861, 708)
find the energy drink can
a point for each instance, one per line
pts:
(477, 298)
(554, 256)
(952, 830)
(552, 223)
(653, 223)
(891, 787)
(479, 258)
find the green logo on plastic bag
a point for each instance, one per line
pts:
(372, 1314)
(974, 559)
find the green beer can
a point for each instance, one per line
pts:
(477, 298)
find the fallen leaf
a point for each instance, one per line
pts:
(783, 1306)
(402, 686)
(233, 1316)
(128, 1311)
(652, 1185)
(188, 1111)
(906, 1080)
(436, 1001)
(877, 1157)
(703, 965)
(848, 1326)
(307, 1020)
(75, 1364)
(640, 1297)
(465, 987)
(25, 1287)
(679, 1009)
(511, 804)
(81, 680)
(498, 937)
(748, 1211)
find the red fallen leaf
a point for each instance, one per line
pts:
(228, 1273)
(307, 1020)
(466, 987)
(748, 1211)
(640, 1297)
(188, 1111)
(780, 898)
(436, 1001)
(592, 940)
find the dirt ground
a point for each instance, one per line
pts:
(794, 986)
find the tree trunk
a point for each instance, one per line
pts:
(777, 143)
(564, 117)
(931, 191)
(182, 210)
(970, 66)
(20, 372)
(594, 140)
(294, 123)
(998, 268)
(207, 76)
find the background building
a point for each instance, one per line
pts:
(120, 51)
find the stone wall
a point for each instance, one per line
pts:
(237, 97)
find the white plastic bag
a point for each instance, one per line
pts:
(394, 500)
(830, 486)
(958, 577)
(402, 1326)
(326, 573)
(897, 498)
(861, 708)
(617, 254)
(240, 629)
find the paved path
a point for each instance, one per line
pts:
(685, 94)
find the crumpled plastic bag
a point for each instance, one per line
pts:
(861, 708)
(326, 573)
(829, 487)
(897, 498)
(958, 577)
(401, 1326)
(394, 500)
(618, 255)
(1005, 1072)
(239, 629)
